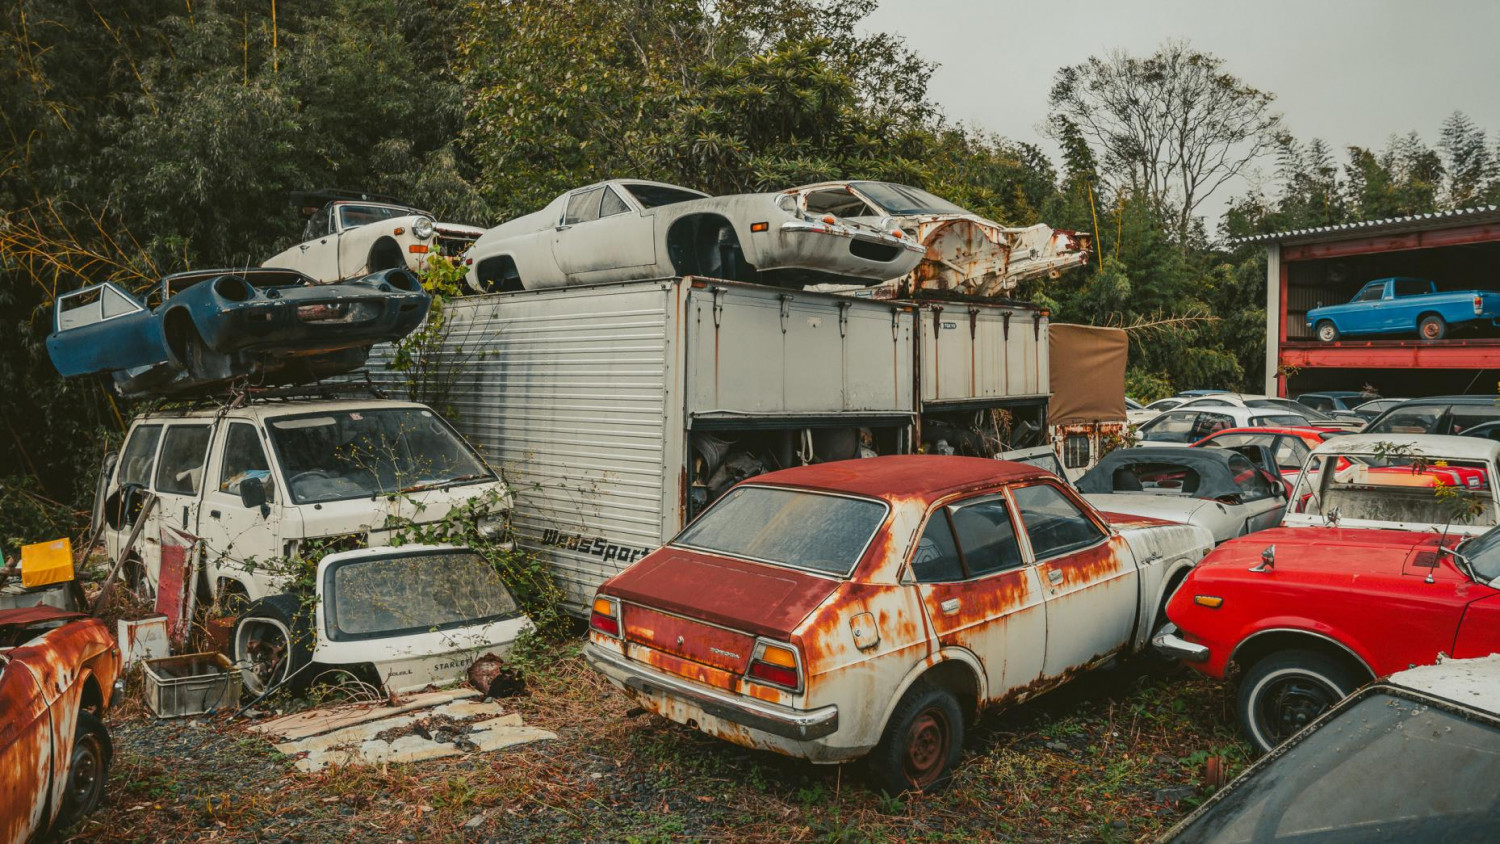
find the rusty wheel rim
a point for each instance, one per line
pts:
(1429, 330)
(928, 741)
(85, 778)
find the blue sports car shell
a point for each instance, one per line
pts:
(199, 328)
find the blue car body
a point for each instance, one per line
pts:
(202, 328)
(1403, 306)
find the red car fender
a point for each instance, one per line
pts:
(1479, 631)
(1309, 627)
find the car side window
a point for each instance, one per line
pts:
(1410, 420)
(986, 536)
(612, 204)
(1209, 423)
(139, 456)
(583, 206)
(1253, 485)
(1054, 524)
(1412, 287)
(1174, 427)
(244, 457)
(1291, 452)
(1317, 402)
(1372, 293)
(1462, 419)
(936, 558)
(183, 451)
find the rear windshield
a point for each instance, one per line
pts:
(408, 594)
(801, 530)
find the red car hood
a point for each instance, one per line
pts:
(753, 597)
(1325, 549)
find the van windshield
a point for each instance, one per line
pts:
(342, 454)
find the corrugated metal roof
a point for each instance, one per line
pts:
(1413, 222)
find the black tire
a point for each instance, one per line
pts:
(88, 770)
(921, 744)
(272, 641)
(1286, 690)
(1432, 327)
(1327, 331)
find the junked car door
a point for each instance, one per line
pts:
(318, 253)
(979, 593)
(135, 468)
(1089, 577)
(236, 537)
(178, 482)
(602, 233)
(100, 328)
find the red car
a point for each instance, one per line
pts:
(57, 675)
(1289, 446)
(1307, 614)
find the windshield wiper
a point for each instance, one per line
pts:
(426, 485)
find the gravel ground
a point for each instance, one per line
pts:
(1116, 755)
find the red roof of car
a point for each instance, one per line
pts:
(1306, 432)
(929, 476)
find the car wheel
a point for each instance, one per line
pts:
(1432, 327)
(1285, 691)
(88, 770)
(272, 643)
(1327, 331)
(922, 742)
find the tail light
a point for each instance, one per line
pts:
(606, 616)
(1478, 305)
(775, 664)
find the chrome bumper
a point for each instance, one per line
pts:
(837, 230)
(769, 718)
(1167, 643)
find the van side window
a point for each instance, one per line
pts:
(986, 536)
(183, 450)
(244, 457)
(936, 559)
(139, 456)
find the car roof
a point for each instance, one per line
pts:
(626, 183)
(267, 409)
(922, 476)
(1474, 683)
(1337, 394)
(1274, 430)
(1470, 400)
(1429, 445)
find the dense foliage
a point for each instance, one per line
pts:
(142, 138)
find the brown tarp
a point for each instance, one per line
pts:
(1088, 374)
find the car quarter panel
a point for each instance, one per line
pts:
(26, 754)
(1479, 630)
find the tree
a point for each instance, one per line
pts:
(1465, 159)
(1173, 127)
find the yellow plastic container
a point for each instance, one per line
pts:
(45, 563)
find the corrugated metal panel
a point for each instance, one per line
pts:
(767, 352)
(571, 393)
(1412, 222)
(1300, 300)
(973, 352)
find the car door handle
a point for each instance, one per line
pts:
(562, 228)
(304, 247)
(950, 606)
(1055, 576)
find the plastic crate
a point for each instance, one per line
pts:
(191, 684)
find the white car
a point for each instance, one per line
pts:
(629, 230)
(1137, 414)
(348, 238)
(1216, 489)
(1316, 418)
(1190, 423)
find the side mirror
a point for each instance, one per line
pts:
(253, 494)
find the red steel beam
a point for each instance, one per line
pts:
(1461, 236)
(1457, 355)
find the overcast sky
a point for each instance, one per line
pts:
(1346, 71)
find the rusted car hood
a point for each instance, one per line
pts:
(752, 597)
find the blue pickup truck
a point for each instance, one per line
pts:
(1403, 306)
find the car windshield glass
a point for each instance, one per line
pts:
(655, 196)
(1392, 487)
(342, 454)
(352, 216)
(1421, 419)
(1387, 769)
(1278, 421)
(1291, 406)
(903, 199)
(413, 593)
(803, 530)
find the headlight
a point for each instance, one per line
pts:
(422, 228)
(491, 527)
(788, 204)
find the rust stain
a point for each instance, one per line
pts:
(704, 644)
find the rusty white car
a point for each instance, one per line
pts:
(57, 676)
(626, 230)
(963, 252)
(871, 608)
(350, 237)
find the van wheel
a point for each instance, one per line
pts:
(922, 742)
(88, 770)
(272, 642)
(1328, 332)
(1432, 327)
(1285, 691)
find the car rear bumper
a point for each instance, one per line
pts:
(1167, 643)
(682, 697)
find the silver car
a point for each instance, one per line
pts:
(626, 230)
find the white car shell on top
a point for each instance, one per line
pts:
(1381, 485)
(1316, 418)
(349, 238)
(633, 230)
(1187, 424)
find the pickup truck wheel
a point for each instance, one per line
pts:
(922, 742)
(272, 641)
(1432, 327)
(1327, 331)
(88, 770)
(1285, 691)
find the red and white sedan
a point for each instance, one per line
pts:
(872, 607)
